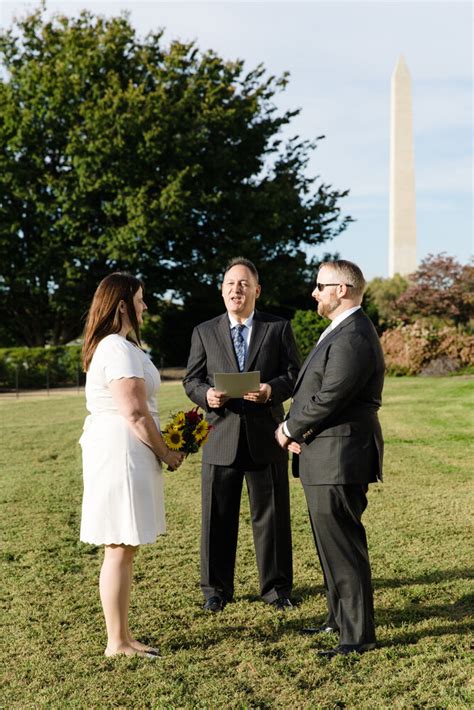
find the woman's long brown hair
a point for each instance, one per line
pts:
(104, 315)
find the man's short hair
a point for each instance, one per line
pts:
(349, 273)
(242, 261)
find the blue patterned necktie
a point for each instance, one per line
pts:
(239, 345)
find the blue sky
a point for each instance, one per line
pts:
(340, 56)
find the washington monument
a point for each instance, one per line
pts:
(402, 247)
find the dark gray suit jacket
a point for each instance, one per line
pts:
(334, 410)
(273, 351)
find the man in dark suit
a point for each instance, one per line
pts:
(333, 430)
(242, 443)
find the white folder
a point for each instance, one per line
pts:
(236, 384)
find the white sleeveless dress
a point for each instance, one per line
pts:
(123, 500)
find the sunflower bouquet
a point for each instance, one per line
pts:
(186, 431)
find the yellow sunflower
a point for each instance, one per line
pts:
(201, 431)
(179, 420)
(173, 438)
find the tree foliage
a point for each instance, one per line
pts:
(120, 153)
(441, 288)
(380, 300)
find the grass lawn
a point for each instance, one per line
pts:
(249, 656)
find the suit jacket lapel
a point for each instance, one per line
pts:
(225, 338)
(259, 330)
(304, 367)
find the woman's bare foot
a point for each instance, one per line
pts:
(143, 647)
(139, 646)
(129, 650)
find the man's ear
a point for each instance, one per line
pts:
(258, 291)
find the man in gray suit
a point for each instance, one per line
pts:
(333, 430)
(242, 443)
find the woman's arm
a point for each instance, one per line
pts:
(129, 395)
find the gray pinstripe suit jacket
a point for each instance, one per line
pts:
(273, 351)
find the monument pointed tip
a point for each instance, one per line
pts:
(401, 66)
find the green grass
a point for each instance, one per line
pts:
(250, 656)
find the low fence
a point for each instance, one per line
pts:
(27, 371)
(18, 390)
(40, 368)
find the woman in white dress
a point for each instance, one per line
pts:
(122, 449)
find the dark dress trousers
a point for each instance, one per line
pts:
(334, 417)
(242, 445)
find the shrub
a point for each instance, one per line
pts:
(443, 365)
(409, 349)
(307, 327)
(59, 365)
(380, 300)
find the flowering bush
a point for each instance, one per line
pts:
(409, 349)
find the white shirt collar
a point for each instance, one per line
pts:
(247, 323)
(342, 316)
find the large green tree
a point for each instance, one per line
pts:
(117, 152)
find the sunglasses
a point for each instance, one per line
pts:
(321, 287)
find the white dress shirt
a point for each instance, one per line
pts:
(247, 331)
(337, 321)
(342, 316)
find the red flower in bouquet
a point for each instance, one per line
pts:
(193, 416)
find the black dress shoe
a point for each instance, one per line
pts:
(310, 630)
(282, 604)
(214, 604)
(346, 649)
